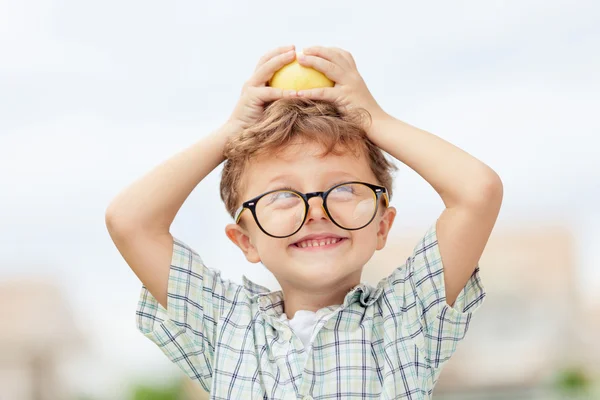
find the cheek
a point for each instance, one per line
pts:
(366, 238)
(270, 249)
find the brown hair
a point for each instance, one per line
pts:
(288, 121)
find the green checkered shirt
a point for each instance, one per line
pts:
(388, 342)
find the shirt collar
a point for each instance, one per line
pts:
(364, 294)
(254, 289)
(269, 301)
(273, 299)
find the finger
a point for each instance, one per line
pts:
(327, 94)
(274, 53)
(330, 69)
(328, 53)
(267, 94)
(266, 71)
(346, 54)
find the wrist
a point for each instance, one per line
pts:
(219, 138)
(230, 128)
(378, 118)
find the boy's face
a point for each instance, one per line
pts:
(301, 167)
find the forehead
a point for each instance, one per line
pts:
(303, 167)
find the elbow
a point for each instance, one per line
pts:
(111, 221)
(488, 193)
(123, 222)
(116, 222)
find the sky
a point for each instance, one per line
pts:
(95, 94)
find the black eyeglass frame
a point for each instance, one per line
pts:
(378, 191)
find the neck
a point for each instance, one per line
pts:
(313, 299)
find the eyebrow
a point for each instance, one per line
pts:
(281, 177)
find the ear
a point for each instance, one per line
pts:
(385, 224)
(240, 238)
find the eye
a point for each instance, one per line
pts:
(281, 196)
(346, 192)
(345, 188)
(285, 195)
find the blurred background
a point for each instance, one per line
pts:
(95, 94)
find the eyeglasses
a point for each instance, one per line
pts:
(281, 213)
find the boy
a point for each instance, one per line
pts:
(308, 187)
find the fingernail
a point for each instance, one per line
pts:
(300, 93)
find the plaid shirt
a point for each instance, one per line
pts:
(387, 342)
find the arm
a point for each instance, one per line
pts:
(470, 190)
(139, 218)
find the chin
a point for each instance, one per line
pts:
(325, 274)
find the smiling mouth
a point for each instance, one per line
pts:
(318, 244)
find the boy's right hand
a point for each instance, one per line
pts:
(255, 92)
(139, 219)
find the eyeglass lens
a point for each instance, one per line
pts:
(351, 206)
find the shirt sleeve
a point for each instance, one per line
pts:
(418, 290)
(186, 330)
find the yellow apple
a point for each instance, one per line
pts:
(294, 76)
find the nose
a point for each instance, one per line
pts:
(316, 210)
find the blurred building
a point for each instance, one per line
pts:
(37, 329)
(588, 337)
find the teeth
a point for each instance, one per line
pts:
(316, 243)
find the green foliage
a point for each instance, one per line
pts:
(573, 380)
(84, 397)
(150, 392)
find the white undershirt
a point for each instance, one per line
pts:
(302, 324)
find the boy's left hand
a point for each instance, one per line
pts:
(350, 90)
